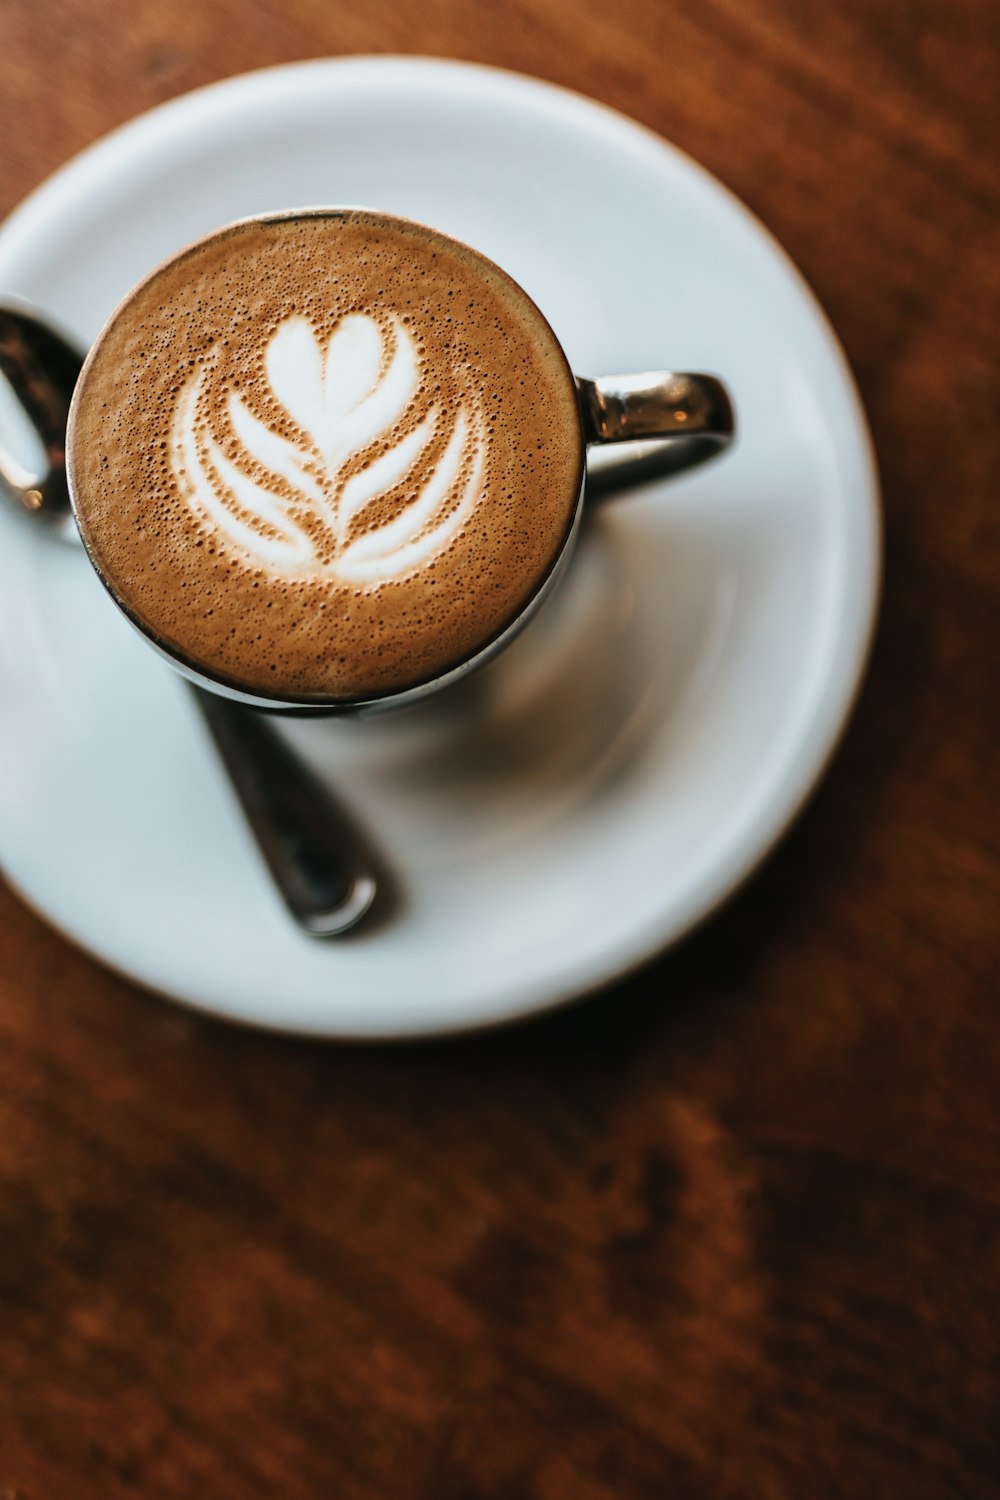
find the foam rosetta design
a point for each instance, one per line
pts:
(367, 489)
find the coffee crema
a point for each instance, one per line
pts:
(326, 455)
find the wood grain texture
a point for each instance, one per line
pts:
(731, 1230)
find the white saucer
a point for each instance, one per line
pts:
(638, 750)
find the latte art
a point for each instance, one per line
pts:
(324, 457)
(297, 506)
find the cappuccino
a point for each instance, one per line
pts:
(325, 456)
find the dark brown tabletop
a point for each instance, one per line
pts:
(729, 1230)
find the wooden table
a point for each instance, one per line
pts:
(731, 1230)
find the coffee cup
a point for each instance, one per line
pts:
(332, 460)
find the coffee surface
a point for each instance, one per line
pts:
(325, 456)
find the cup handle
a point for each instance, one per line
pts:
(669, 421)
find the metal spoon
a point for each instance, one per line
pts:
(319, 862)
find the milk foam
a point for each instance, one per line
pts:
(324, 456)
(347, 401)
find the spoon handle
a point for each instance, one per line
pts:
(320, 863)
(317, 860)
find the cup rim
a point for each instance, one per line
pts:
(231, 687)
